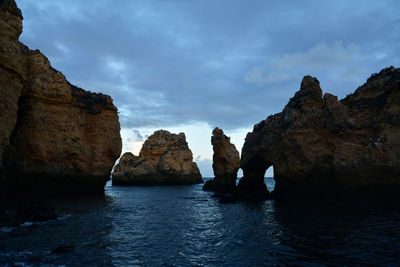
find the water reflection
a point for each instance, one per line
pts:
(342, 234)
(184, 226)
(83, 226)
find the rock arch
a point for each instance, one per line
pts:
(323, 148)
(252, 186)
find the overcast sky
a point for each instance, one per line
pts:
(188, 66)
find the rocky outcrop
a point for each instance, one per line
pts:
(226, 163)
(165, 159)
(13, 70)
(325, 148)
(54, 137)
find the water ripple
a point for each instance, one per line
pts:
(184, 226)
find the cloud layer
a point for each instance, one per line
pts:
(227, 63)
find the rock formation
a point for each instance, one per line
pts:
(325, 148)
(165, 159)
(226, 163)
(54, 137)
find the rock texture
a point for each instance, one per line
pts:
(226, 163)
(325, 148)
(53, 136)
(165, 159)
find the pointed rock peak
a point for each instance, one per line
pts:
(310, 91)
(310, 84)
(219, 134)
(217, 131)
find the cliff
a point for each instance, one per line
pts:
(54, 137)
(226, 163)
(324, 148)
(165, 159)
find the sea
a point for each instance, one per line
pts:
(185, 226)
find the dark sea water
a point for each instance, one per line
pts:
(184, 226)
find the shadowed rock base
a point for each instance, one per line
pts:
(42, 184)
(249, 190)
(221, 184)
(15, 211)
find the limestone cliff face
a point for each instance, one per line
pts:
(226, 163)
(164, 159)
(13, 70)
(320, 146)
(53, 135)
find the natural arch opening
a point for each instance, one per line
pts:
(258, 169)
(239, 175)
(269, 178)
(252, 186)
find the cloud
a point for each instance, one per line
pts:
(171, 63)
(320, 56)
(205, 166)
(138, 136)
(345, 61)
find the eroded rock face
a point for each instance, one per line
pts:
(322, 147)
(226, 163)
(164, 159)
(13, 70)
(53, 136)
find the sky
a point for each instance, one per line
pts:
(189, 66)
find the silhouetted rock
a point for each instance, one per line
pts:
(226, 162)
(324, 148)
(54, 137)
(164, 159)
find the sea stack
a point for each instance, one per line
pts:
(54, 137)
(324, 148)
(226, 163)
(165, 159)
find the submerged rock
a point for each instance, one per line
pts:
(226, 163)
(324, 148)
(54, 137)
(165, 159)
